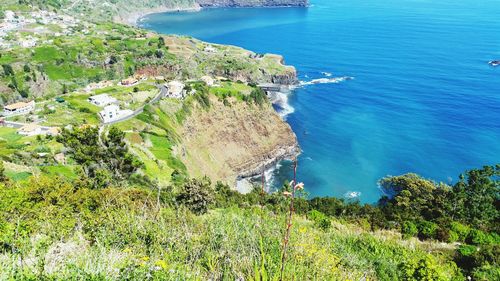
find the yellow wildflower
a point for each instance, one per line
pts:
(162, 264)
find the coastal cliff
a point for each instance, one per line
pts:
(253, 3)
(236, 141)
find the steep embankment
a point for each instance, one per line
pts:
(226, 142)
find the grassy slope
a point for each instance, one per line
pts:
(127, 237)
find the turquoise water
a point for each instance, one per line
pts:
(423, 100)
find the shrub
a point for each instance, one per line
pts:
(196, 195)
(427, 230)
(320, 220)
(426, 268)
(84, 110)
(478, 237)
(453, 236)
(460, 230)
(409, 229)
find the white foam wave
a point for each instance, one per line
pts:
(246, 185)
(352, 194)
(334, 80)
(280, 101)
(327, 74)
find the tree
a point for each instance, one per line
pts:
(476, 197)
(24, 93)
(161, 42)
(3, 177)
(119, 160)
(159, 54)
(8, 70)
(197, 195)
(410, 198)
(111, 159)
(26, 68)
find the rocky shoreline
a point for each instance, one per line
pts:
(246, 179)
(135, 17)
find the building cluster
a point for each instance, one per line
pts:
(33, 129)
(96, 86)
(32, 22)
(18, 108)
(111, 110)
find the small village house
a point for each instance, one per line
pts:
(210, 49)
(175, 89)
(60, 158)
(19, 108)
(129, 81)
(95, 86)
(113, 112)
(208, 80)
(53, 131)
(102, 100)
(30, 130)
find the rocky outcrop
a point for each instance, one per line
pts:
(253, 3)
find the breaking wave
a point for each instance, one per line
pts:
(281, 104)
(334, 80)
(352, 194)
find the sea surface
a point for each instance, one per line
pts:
(423, 98)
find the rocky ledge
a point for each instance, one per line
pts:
(253, 3)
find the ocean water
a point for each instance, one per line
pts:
(423, 98)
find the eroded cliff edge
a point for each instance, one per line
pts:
(230, 142)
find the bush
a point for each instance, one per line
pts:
(427, 230)
(460, 230)
(196, 195)
(84, 110)
(471, 258)
(453, 237)
(426, 268)
(478, 237)
(320, 220)
(409, 229)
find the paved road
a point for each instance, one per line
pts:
(18, 125)
(161, 94)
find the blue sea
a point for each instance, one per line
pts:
(423, 98)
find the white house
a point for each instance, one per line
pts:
(208, 80)
(18, 108)
(102, 100)
(175, 89)
(113, 112)
(30, 130)
(210, 49)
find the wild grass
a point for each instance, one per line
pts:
(126, 234)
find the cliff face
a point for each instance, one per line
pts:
(194, 61)
(253, 3)
(227, 142)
